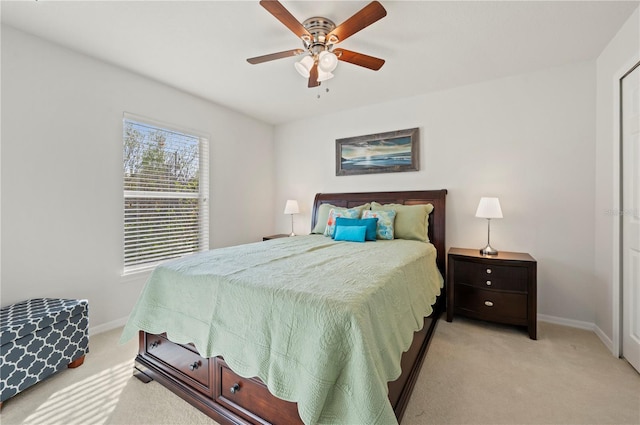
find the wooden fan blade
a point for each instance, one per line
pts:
(274, 56)
(365, 17)
(313, 76)
(359, 59)
(283, 15)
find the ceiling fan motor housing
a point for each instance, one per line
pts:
(319, 28)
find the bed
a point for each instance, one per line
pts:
(297, 318)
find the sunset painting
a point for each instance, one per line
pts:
(375, 154)
(378, 153)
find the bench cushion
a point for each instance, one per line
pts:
(27, 317)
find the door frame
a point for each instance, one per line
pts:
(617, 202)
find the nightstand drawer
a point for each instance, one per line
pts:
(511, 278)
(491, 305)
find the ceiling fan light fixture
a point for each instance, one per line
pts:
(304, 66)
(324, 76)
(327, 61)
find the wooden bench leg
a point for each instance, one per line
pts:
(76, 363)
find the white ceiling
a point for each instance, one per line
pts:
(201, 46)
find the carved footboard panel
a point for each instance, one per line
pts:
(211, 386)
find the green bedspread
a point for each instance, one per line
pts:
(322, 323)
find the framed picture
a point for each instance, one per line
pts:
(390, 152)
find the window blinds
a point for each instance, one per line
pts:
(165, 194)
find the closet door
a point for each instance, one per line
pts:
(630, 217)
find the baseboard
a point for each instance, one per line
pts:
(605, 339)
(580, 325)
(567, 322)
(106, 327)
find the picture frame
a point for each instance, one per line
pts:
(390, 152)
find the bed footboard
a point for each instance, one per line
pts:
(212, 387)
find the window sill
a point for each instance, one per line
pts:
(132, 276)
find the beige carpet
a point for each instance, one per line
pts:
(480, 373)
(475, 373)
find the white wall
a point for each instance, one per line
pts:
(616, 59)
(62, 173)
(527, 139)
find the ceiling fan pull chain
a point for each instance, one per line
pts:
(326, 90)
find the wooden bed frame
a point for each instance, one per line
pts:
(209, 384)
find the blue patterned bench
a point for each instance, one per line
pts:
(39, 337)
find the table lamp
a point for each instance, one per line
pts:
(291, 208)
(489, 208)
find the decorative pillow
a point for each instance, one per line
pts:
(335, 213)
(323, 215)
(385, 222)
(412, 221)
(370, 223)
(350, 233)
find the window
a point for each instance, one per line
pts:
(165, 193)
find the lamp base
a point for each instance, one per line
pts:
(488, 250)
(292, 234)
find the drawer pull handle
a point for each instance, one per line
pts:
(193, 366)
(488, 303)
(488, 283)
(234, 388)
(154, 344)
(488, 271)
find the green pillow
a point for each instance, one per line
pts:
(412, 221)
(323, 215)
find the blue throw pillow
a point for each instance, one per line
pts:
(350, 233)
(370, 223)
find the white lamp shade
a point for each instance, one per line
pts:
(324, 76)
(304, 66)
(327, 61)
(489, 208)
(291, 207)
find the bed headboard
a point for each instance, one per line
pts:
(435, 197)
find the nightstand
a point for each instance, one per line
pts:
(499, 288)
(279, 235)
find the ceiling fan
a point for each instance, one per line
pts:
(319, 36)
